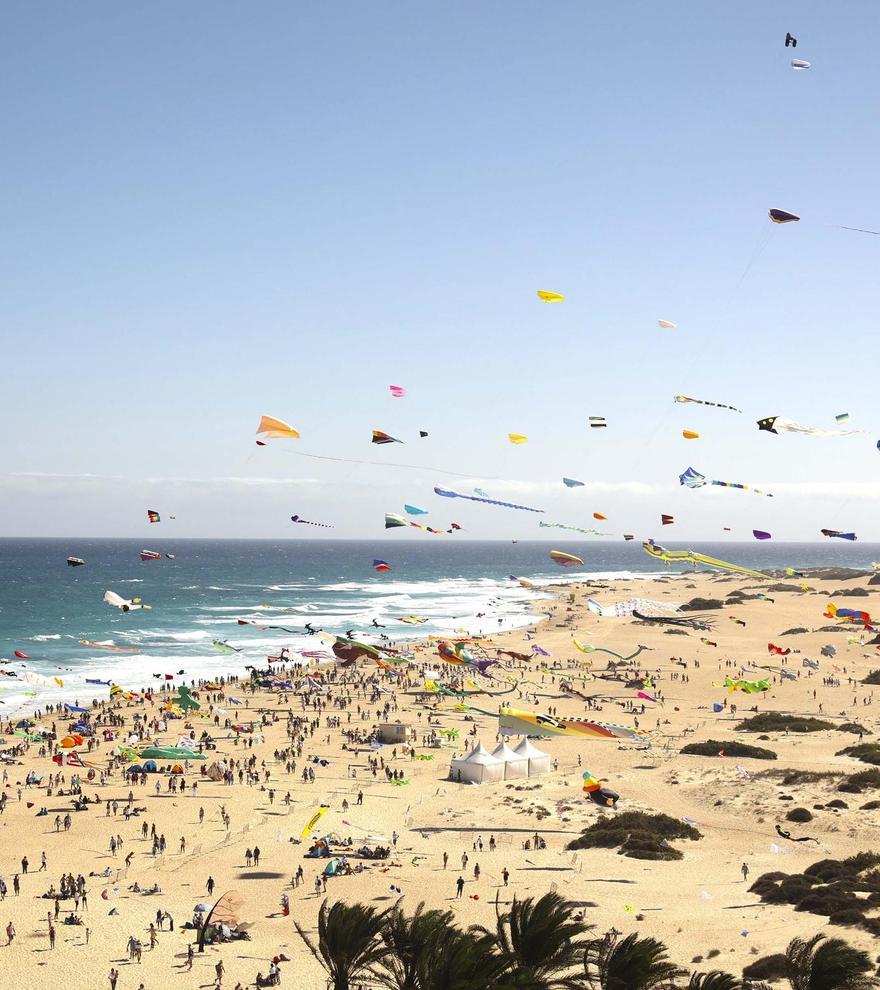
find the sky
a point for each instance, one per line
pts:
(216, 211)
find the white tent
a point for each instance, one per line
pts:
(514, 764)
(478, 767)
(539, 763)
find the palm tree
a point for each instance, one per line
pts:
(348, 941)
(538, 943)
(463, 961)
(630, 964)
(714, 980)
(411, 943)
(822, 963)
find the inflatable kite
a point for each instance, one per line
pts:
(126, 604)
(780, 216)
(838, 534)
(666, 325)
(75, 562)
(781, 424)
(517, 438)
(748, 687)
(588, 648)
(414, 510)
(276, 429)
(381, 565)
(692, 557)
(448, 493)
(153, 516)
(397, 391)
(598, 422)
(848, 614)
(392, 520)
(512, 722)
(550, 297)
(760, 534)
(565, 559)
(313, 821)
(693, 479)
(706, 402)
(666, 519)
(572, 483)
(690, 435)
(799, 63)
(775, 650)
(598, 794)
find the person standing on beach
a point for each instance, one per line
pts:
(459, 887)
(10, 933)
(210, 886)
(113, 977)
(505, 875)
(218, 969)
(51, 936)
(445, 859)
(745, 871)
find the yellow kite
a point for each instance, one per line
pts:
(276, 429)
(550, 297)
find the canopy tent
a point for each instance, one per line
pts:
(478, 767)
(539, 763)
(514, 764)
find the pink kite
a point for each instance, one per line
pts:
(398, 391)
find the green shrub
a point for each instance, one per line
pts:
(714, 748)
(637, 834)
(866, 752)
(777, 722)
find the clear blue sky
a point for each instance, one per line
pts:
(213, 211)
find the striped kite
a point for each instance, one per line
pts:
(693, 479)
(449, 493)
(380, 437)
(512, 722)
(705, 402)
(692, 557)
(781, 424)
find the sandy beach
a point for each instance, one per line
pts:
(697, 905)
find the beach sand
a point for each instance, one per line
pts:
(697, 905)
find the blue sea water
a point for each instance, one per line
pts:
(46, 607)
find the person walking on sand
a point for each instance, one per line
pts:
(10, 933)
(210, 886)
(51, 936)
(218, 969)
(189, 956)
(445, 859)
(505, 875)
(459, 887)
(113, 977)
(745, 871)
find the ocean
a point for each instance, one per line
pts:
(46, 607)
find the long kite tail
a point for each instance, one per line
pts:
(632, 656)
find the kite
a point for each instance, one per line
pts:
(798, 63)
(153, 516)
(780, 216)
(276, 429)
(826, 651)
(569, 483)
(381, 565)
(690, 435)
(748, 687)
(150, 555)
(573, 529)
(693, 479)
(781, 424)
(423, 434)
(126, 604)
(787, 835)
(479, 491)
(842, 417)
(313, 821)
(380, 437)
(222, 647)
(22, 655)
(760, 534)
(414, 510)
(790, 40)
(838, 534)
(708, 642)
(588, 648)
(565, 559)
(702, 624)
(448, 493)
(739, 622)
(460, 655)
(75, 562)
(705, 402)
(184, 700)
(109, 646)
(598, 515)
(598, 794)
(666, 520)
(550, 297)
(252, 622)
(598, 422)
(31, 678)
(629, 536)
(512, 722)
(517, 438)
(692, 557)
(412, 620)
(397, 391)
(772, 648)
(850, 614)
(392, 520)
(524, 582)
(666, 325)
(308, 522)
(627, 607)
